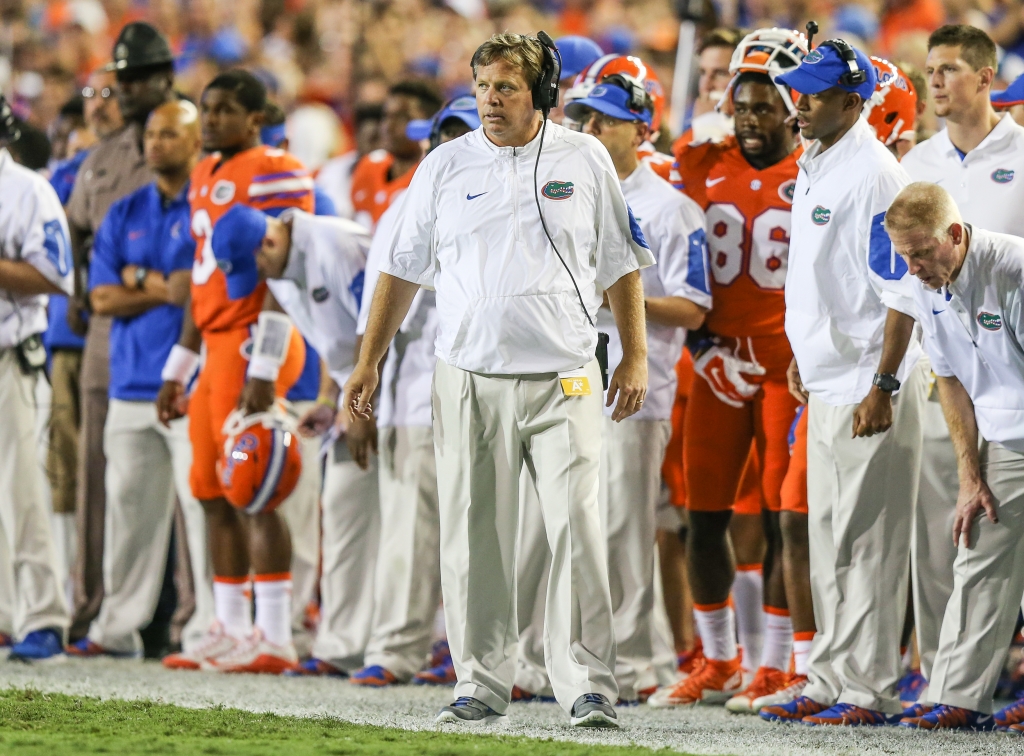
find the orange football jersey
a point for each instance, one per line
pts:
(265, 178)
(372, 192)
(748, 219)
(659, 162)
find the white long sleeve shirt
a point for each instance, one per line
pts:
(409, 368)
(974, 330)
(673, 225)
(322, 285)
(33, 229)
(470, 229)
(987, 183)
(843, 274)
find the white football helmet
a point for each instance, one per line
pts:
(770, 51)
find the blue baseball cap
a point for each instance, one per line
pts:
(236, 237)
(577, 53)
(463, 108)
(823, 67)
(1012, 95)
(611, 100)
(272, 135)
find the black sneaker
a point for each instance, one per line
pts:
(469, 711)
(593, 710)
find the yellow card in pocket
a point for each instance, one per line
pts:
(575, 383)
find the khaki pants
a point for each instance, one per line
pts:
(861, 493)
(351, 533)
(31, 594)
(65, 417)
(988, 578)
(533, 563)
(146, 465)
(485, 429)
(408, 578)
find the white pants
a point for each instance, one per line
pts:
(301, 512)
(631, 461)
(988, 578)
(932, 552)
(408, 579)
(147, 464)
(533, 563)
(31, 593)
(861, 493)
(351, 533)
(485, 429)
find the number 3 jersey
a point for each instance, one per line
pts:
(748, 222)
(265, 178)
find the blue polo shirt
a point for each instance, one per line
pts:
(59, 334)
(142, 229)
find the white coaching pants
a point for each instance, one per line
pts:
(861, 493)
(31, 593)
(988, 578)
(147, 464)
(485, 429)
(408, 580)
(351, 533)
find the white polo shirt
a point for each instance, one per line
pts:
(322, 285)
(470, 229)
(843, 273)
(409, 368)
(33, 229)
(987, 184)
(673, 225)
(974, 330)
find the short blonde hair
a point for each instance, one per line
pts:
(922, 205)
(520, 50)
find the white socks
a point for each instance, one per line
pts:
(232, 606)
(748, 597)
(274, 607)
(802, 651)
(778, 639)
(716, 624)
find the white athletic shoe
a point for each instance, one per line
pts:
(764, 684)
(256, 655)
(215, 643)
(790, 693)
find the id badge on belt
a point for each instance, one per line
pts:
(574, 383)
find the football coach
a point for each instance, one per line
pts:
(519, 226)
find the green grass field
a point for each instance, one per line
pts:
(49, 724)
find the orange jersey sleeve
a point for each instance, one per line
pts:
(659, 162)
(265, 178)
(372, 192)
(748, 221)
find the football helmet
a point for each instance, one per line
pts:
(892, 109)
(261, 463)
(629, 66)
(768, 51)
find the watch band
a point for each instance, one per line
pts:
(140, 277)
(886, 382)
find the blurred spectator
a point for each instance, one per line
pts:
(101, 110)
(902, 16)
(335, 177)
(70, 117)
(714, 54)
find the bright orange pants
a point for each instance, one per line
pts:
(794, 487)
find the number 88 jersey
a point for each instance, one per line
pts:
(748, 217)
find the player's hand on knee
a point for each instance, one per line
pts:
(629, 384)
(257, 396)
(724, 373)
(975, 498)
(358, 392)
(317, 420)
(170, 402)
(873, 415)
(361, 438)
(796, 386)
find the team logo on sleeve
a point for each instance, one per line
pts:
(223, 192)
(1002, 175)
(989, 322)
(821, 215)
(787, 190)
(558, 190)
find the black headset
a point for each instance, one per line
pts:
(639, 100)
(545, 89)
(856, 75)
(9, 130)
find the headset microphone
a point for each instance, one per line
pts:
(856, 75)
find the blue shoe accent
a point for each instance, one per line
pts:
(910, 686)
(917, 710)
(944, 717)
(374, 676)
(38, 646)
(315, 668)
(850, 715)
(794, 711)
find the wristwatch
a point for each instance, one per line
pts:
(886, 382)
(140, 277)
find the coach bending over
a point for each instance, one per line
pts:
(517, 381)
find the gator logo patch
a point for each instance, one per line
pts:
(814, 56)
(223, 192)
(821, 215)
(1002, 175)
(320, 294)
(787, 191)
(558, 190)
(989, 322)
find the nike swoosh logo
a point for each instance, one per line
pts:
(474, 196)
(936, 312)
(711, 182)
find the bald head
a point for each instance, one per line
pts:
(926, 229)
(172, 140)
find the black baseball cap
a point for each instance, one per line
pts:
(140, 45)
